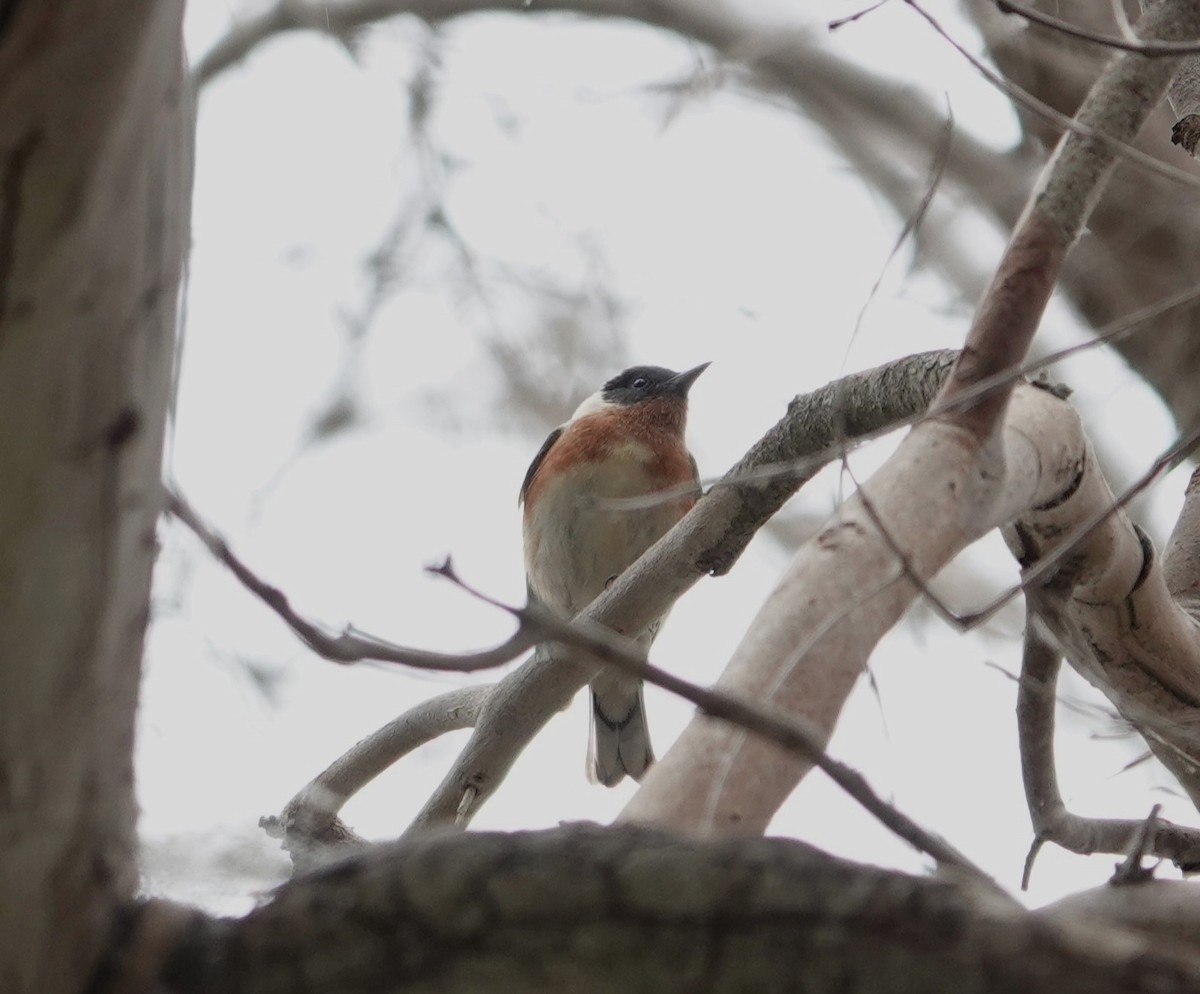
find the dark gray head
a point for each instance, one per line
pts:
(644, 382)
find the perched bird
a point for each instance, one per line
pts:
(624, 441)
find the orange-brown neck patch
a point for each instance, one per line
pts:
(658, 424)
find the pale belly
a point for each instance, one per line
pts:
(574, 545)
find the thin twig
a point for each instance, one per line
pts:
(912, 223)
(349, 646)
(1048, 113)
(784, 730)
(1151, 49)
(841, 22)
(1131, 871)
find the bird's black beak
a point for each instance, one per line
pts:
(681, 383)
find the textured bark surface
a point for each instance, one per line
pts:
(807, 646)
(589, 910)
(1140, 237)
(94, 190)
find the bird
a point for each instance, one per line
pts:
(624, 441)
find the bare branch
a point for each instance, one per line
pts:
(1117, 145)
(708, 540)
(309, 826)
(1036, 571)
(1110, 610)
(1130, 871)
(934, 498)
(790, 733)
(1104, 126)
(841, 22)
(597, 910)
(349, 646)
(1150, 49)
(1052, 822)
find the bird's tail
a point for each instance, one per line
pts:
(619, 743)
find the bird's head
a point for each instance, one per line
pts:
(651, 396)
(639, 384)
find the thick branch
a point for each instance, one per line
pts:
(762, 721)
(641, 911)
(1052, 822)
(1071, 184)
(1108, 607)
(810, 641)
(709, 538)
(954, 478)
(309, 825)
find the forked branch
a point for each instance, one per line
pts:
(955, 477)
(1052, 822)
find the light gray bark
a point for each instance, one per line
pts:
(708, 540)
(95, 128)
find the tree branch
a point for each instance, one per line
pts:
(349, 646)
(1151, 49)
(599, 910)
(1052, 822)
(810, 641)
(1109, 120)
(309, 825)
(764, 722)
(1108, 607)
(708, 539)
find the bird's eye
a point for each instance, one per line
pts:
(640, 383)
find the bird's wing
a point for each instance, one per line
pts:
(697, 490)
(537, 461)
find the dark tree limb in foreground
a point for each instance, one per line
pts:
(591, 909)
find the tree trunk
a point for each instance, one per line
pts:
(95, 176)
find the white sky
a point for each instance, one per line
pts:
(730, 233)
